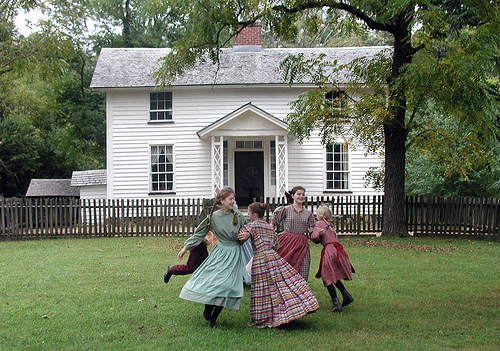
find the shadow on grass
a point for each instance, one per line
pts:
(296, 325)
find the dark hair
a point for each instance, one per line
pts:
(221, 195)
(258, 208)
(288, 194)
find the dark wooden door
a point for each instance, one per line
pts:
(249, 176)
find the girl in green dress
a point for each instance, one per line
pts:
(218, 282)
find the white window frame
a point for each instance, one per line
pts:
(340, 166)
(163, 109)
(166, 172)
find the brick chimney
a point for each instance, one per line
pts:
(249, 39)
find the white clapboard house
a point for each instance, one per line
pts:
(217, 126)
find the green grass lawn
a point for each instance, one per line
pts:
(108, 294)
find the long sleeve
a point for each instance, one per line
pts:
(311, 221)
(199, 234)
(278, 215)
(315, 235)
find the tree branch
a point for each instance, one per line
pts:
(372, 24)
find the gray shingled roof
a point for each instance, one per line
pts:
(133, 67)
(91, 177)
(52, 187)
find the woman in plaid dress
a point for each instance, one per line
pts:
(278, 294)
(297, 223)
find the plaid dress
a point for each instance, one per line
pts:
(294, 245)
(278, 294)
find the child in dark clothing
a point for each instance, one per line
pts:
(197, 255)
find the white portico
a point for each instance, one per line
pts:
(248, 153)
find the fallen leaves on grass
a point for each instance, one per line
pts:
(403, 246)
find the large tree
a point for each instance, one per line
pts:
(442, 51)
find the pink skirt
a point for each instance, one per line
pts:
(293, 248)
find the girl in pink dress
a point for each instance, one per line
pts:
(334, 264)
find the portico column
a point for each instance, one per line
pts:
(282, 164)
(217, 164)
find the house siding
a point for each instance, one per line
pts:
(93, 192)
(130, 135)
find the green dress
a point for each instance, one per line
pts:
(219, 279)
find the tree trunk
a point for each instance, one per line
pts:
(394, 216)
(126, 24)
(395, 134)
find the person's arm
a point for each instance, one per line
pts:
(311, 223)
(278, 217)
(317, 232)
(276, 244)
(199, 234)
(243, 235)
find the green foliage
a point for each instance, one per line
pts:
(51, 122)
(359, 122)
(135, 23)
(19, 149)
(323, 28)
(449, 157)
(10, 8)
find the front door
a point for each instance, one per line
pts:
(249, 176)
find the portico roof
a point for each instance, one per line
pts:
(248, 120)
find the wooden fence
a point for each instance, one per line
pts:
(352, 215)
(453, 216)
(26, 218)
(64, 218)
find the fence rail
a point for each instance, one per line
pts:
(26, 218)
(453, 216)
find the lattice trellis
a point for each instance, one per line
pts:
(282, 164)
(217, 164)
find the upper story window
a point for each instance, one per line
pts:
(162, 168)
(337, 167)
(160, 106)
(336, 98)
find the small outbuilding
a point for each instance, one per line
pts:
(91, 183)
(52, 188)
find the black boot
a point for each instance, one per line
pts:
(167, 275)
(217, 310)
(336, 305)
(347, 298)
(207, 313)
